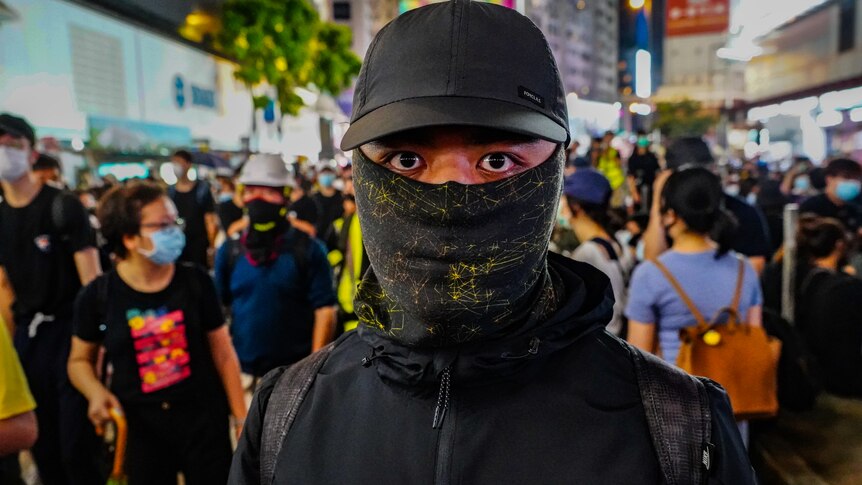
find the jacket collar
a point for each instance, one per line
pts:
(586, 305)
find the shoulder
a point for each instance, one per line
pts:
(586, 251)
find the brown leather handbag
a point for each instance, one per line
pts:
(740, 357)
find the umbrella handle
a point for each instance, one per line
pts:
(122, 436)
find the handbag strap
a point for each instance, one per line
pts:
(701, 322)
(733, 309)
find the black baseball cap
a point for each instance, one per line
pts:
(17, 126)
(459, 63)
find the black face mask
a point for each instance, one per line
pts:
(267, 224)
(453, 263)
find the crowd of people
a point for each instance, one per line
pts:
(426, 260)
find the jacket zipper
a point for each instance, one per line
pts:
(446, 428)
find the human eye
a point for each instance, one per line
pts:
(404, 162)
(497, 163)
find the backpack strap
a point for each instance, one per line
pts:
(679, 419)
(283, 406)
(701, 321)
(737, 293)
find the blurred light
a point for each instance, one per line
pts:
(571, 96)
(845, 99)
(829, 118)
(743, 53)
(618, 106)
(856, 115)
(166, 172)
(763, 113)
(813, 139)
(123, 171)
(636, 4)
(643, 73)
(193, 174)
(77, 144)
(581, 4)
(308, 97)
(640, 109)
(799, 107)
(751, 149)
(764, 138)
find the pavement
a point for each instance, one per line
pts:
(819, 447)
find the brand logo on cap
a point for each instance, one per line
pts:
(531, 96)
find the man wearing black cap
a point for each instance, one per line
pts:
(47, 251)
(479, 357)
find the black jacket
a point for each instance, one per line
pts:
(570, 413)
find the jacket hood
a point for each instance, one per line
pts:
(586, 305)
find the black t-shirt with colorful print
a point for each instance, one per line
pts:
(156, 342)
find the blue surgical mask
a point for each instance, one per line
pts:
(224, 197)
(168, 244)
(326, 179)
(801, 184)
(848, 190)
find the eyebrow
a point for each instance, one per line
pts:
(474, 137)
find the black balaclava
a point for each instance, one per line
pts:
(454, 263)
(267, 223)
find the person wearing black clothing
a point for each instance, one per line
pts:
(329, 202)
(479, 357)
(832, 331)
(838, 200)
(175, 373)
(196, 206)
(47, 250)
(642, 168)
(302, 210)
(752, 234)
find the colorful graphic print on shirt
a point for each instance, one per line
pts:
(161, 347)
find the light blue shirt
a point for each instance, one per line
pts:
(708, 282)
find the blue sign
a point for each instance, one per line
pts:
(179, 91)
(203, 97)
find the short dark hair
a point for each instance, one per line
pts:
(184, 154)
(690, 150)
(119, 212)
(817, 237)
(47, 162)
(843, 167)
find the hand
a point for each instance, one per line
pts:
(658, 184)
(100, 404)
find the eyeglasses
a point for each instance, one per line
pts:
(164, 225)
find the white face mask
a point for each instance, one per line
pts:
(179, 170)
(13, 163)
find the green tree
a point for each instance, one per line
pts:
(683, 118)
(285, 44)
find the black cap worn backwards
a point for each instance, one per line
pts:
(459, 63)
(17, 126)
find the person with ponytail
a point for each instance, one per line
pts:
(693, 215)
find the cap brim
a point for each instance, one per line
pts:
(415, 113)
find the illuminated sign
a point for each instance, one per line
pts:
(202, 97)
(691, 17)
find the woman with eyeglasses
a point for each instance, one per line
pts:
(175, 374)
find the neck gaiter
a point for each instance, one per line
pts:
(454, 263)
(267, 223)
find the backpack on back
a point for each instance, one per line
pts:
(740, 357)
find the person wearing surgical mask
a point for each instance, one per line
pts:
(329, 201)
(175, 373)
(47, 252)
(840, 199)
